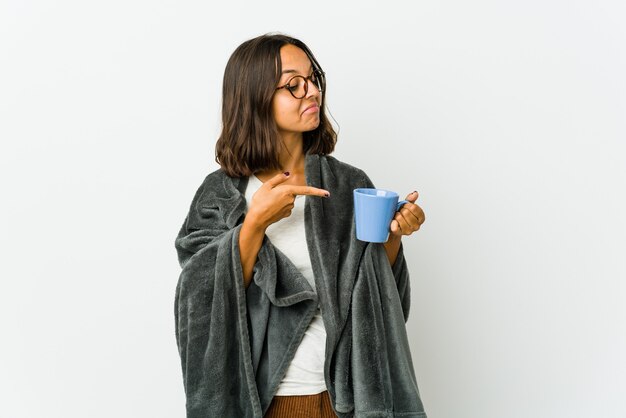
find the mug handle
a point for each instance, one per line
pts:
(400, 203)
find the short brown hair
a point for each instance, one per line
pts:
(249, 141)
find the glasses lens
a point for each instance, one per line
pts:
(297, 86)
(315, 78)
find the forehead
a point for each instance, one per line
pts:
(294, 60)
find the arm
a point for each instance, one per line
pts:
(250, 241)
(392, 246)
(406, 221)
(271, 203)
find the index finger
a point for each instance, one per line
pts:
(307, 190)
(277, 179)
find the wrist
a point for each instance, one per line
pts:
(392, 248)
(393, 239)
(252, 223)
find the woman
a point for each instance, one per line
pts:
(280, 310)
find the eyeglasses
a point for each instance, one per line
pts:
(298, 85)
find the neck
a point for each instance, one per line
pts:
(292, 157)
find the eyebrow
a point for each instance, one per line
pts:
(294, 71)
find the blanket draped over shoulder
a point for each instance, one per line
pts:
(235, 344)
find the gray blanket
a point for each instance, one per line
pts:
(235, 344)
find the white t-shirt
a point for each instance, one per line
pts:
(305, 374)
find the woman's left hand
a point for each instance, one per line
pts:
(408, 219)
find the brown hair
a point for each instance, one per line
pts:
(249, 141)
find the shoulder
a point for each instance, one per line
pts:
(215, 184)
(217, 202)
(215, 179)
(348, 173)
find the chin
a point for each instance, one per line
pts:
(313, 126)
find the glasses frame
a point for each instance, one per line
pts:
(317, 73)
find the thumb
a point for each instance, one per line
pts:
(412, 197)
(277, 179)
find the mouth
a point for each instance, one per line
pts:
(312, 109)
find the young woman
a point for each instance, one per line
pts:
(280, 310)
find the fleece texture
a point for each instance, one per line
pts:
(235, 344)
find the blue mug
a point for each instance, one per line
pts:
(374, 210)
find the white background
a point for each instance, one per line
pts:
(508, 117)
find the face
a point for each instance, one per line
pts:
(291, 114)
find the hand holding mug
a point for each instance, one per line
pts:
(380, 217)
(409, 218)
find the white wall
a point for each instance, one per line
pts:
(507, 117)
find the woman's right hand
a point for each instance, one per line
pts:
(275, 200)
